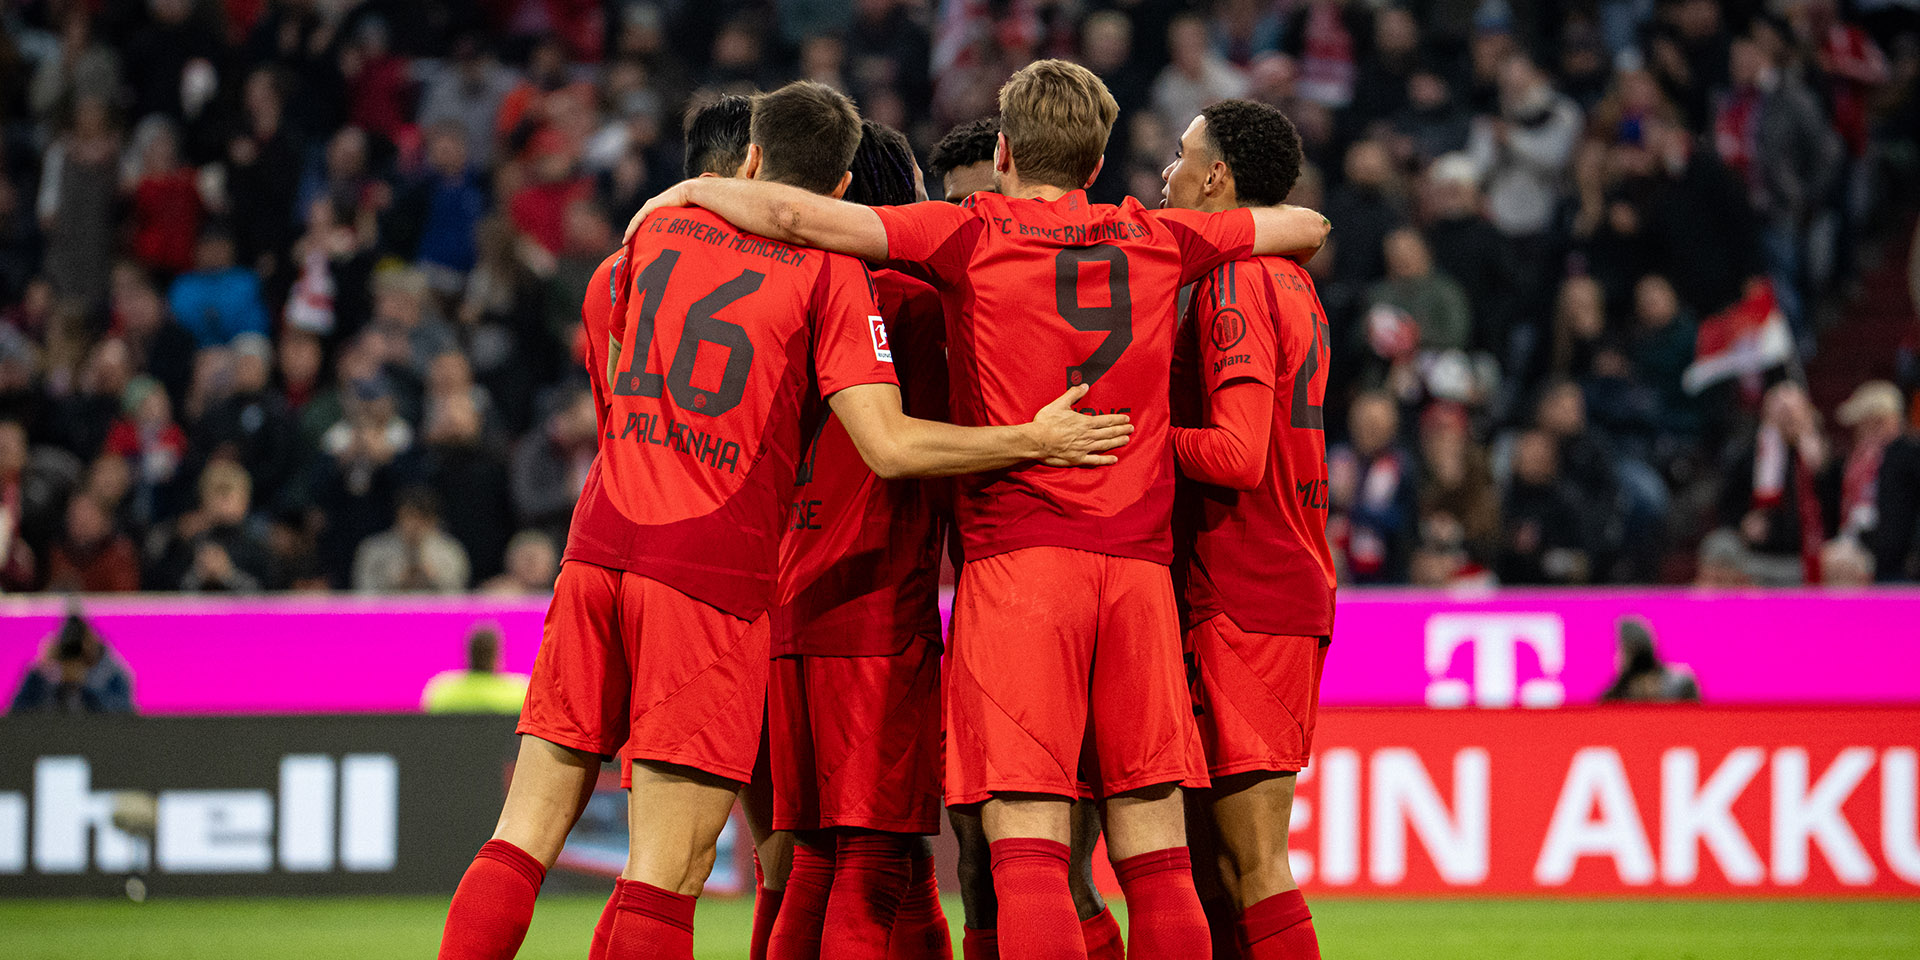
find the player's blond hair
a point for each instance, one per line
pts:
(1056, 117)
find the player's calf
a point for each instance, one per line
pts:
(494, 903)
(1146, 838)
(674, 817)
(1250, 813)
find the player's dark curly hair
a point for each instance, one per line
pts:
(965, 145)
(882, 167)
(717, 136)
(1259, 144)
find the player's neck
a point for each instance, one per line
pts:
(1012, 187)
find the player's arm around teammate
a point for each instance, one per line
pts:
(808, 219)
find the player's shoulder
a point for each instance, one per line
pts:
(892, 287)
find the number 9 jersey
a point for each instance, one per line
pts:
(729, 343)
(1042, 295)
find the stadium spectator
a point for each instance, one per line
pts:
(261, 162)
(1641, 676)
(1660, 348)
(75, 212)
(1874, 412)
(76, 673)
(1896, 539)
(1430, 299)
(152, 442)
(464, 469)
(165, 208)
(250, 423)
(158, 346)
(79, 421)
(365, 459)
(220, 547)
(549, 467)
(1523, 152)
(1456, 484)
(1770, 130)
(1373, 492)
(482, 687)
(531, 565)
(1197, 77)
(1781, 490)
(92, 557)
(1547, 533)
(217, 300)
(79, 67)
(416, 555)
(436, 218)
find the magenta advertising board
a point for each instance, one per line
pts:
(1498, 649)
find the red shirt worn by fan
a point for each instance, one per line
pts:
(859, 565)
(1042, 295)
(728, 343)
(1259, 555)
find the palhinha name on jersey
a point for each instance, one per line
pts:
(704, 446)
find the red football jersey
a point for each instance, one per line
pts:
(1260, 556)
(596, 316)
(860, 564)
(728, 342)
(1041, 295)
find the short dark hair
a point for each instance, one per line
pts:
(965, 145)
(882, 168)
(1259, 145)
(807, 133)
(717, 136)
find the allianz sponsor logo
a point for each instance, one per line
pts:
(323, 815)
(1495, 640)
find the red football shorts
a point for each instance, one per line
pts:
(1257, 696)
(1052, 646)
(855, 741)
(631, 666)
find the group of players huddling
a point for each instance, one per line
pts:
(749, 592)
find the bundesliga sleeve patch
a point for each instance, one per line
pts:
(877, 330)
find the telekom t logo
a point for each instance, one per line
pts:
(1496, 639)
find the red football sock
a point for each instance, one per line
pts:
(493, 905)
(979, 944)
(803, 907)
(766, 908)
(649, 924)
(1101, 932)
(920, 928)
(1223, 925)
(1164, 920)
(1036, 906)
(604, 929)
(1279, 928)
(870, 875)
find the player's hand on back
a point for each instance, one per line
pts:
(1075, 439)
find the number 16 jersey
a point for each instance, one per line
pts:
(1042, 295)
(729, 342)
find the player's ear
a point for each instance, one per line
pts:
(1002, 157)
(846, 180)
(750, 168)
(1219, 178)
(1095, 175)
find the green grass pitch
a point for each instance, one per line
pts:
(378, 929)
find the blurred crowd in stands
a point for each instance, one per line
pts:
(290, 289)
